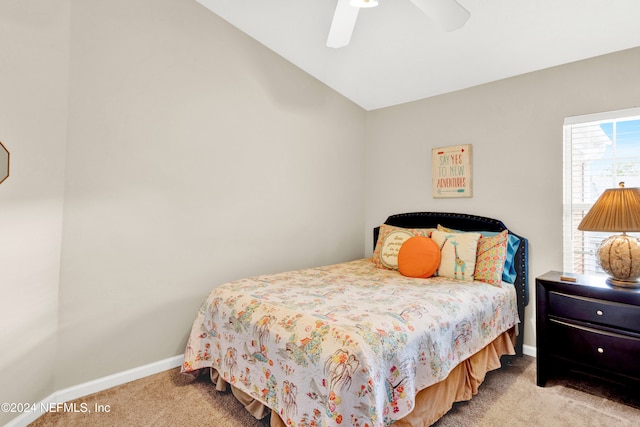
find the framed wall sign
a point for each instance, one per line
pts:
(451, 170)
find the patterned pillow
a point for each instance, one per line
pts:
(509, 273)
(492, 252)
(419, 256)
(458, 254)
(390, 239)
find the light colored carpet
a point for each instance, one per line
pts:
(508, 397)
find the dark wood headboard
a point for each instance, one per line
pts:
(467, 222)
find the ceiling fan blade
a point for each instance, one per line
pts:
(344, 20)
(448, 14)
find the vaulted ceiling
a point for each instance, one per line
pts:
(398, 54)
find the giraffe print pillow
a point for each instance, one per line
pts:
(458, 254)
(496, 253)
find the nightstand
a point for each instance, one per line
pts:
(587, 326)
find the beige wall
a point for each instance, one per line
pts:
(34, 39)
(515, 127)
(195, 156)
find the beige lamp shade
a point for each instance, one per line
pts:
(616, 210)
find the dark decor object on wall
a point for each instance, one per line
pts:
(4, 163)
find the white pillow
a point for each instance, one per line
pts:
(458, 254)
(390, 239)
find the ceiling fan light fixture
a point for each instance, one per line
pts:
(364, 3)
(448, 14)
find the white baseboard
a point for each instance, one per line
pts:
(529, 350)
(85, 389)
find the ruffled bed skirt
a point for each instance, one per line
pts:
(432, 402)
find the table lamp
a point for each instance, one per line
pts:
(617, 210)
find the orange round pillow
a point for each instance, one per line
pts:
(419, 256)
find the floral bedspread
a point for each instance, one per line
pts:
(346, 344)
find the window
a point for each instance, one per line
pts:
(600, 150)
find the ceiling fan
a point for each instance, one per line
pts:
(449, 15)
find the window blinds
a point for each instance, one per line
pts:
(600, 150)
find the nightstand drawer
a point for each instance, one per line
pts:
(600, 349)
(595, 311)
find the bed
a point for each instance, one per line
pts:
(361, 343)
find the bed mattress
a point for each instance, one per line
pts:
(345, 344)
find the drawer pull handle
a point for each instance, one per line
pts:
(600, 350)
(599, 312)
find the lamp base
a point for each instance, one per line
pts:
(623, 283)
(619, 257)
